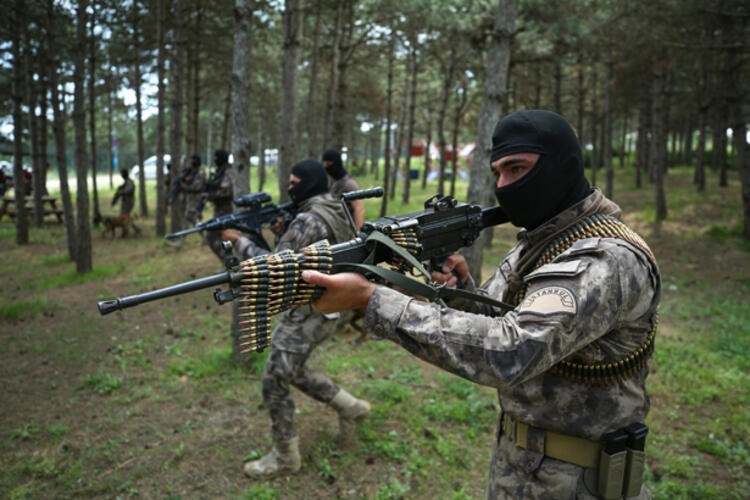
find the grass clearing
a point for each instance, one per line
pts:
(147, 402)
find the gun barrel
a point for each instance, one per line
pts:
(375, 192)
(108, 306)
(184, 232)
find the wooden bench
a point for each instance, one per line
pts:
(48, 202)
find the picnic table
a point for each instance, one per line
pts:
(48, 202)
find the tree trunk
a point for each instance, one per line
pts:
(333, 82)
(448, 78)
(699, 174)
(161, 195)
(581, 95)
(288, 121)
(458, 112)
(22, 222)
(400, 134)
(261, 150)
(659, 137)
(111, 148)
(493, 100)
(643, 142)
(593, 129)
(313, 120)
(59, 131)
(387, 133)
(32, 100)
(410, 133)
(83, 231)
(375, 149)
(240, 77)
(176, 115)
(427, 157)
(607, 132)
(92, 115)
(137, 77)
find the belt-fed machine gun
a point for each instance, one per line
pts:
(269, 284)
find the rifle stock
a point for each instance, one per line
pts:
(263, 283)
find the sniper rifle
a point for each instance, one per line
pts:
(269, 284)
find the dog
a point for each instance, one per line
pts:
(112, 222)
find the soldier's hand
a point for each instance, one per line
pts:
(277, 226)
(344, 291)
(454, 268)
(231, 235)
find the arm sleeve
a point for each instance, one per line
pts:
(569, 304)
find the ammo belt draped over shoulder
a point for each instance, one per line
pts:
(599, 226)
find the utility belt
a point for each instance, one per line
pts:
(614, 465)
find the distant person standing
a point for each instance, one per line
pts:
(219, 191)
(342, 183)
(125, 194)
(192, 182)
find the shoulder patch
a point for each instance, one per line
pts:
(548, 301)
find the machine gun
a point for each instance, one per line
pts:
(269, 284)
(259, 210)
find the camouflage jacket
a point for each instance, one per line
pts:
(344, 185)
(319, 218)
(595, 301)
(221, 191)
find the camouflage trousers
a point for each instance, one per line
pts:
(300, 330)
(524, 473)
(190, 218)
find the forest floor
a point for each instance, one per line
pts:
(146, 402)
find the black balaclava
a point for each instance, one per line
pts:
(556, 182)
(336, 169)
(313, 181)
(221, 157)
(195, 160)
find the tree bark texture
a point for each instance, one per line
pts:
(83, 231)
(491, 108)
(239, 82)
(288, 122)
(176, 110)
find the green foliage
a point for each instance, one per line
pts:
(262, 492)
(22, 310)
(72, 277)
(25, 432)
(102, 383)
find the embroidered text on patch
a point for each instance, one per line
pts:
(548, 301)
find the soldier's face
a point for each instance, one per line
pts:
(512, 168)
(293, 181)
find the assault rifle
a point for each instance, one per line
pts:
(259, 210)
(269, 284)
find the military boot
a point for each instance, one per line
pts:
(351, 411)
(282, 459)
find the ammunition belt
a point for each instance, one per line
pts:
(271, 284)
(599, 226)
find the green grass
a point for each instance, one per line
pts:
(148, 403)
(22, 310)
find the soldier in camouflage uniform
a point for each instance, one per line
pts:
(220, 191)
(301, 329)
(125, 193)
(192, 184)
(570, 359)
(343, 182)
